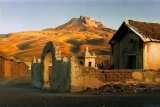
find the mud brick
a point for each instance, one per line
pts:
(110, 74)
(106, 71)
(121, 76)
(113, 76)
(121, 71)
(109, 79)
(116, 72)
(116, 79)
(124, 73)
(107, 76)
(128, 76)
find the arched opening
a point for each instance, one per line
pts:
(48, 69)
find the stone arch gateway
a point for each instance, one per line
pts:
(60, 74)
(48, 60)
(51, 72)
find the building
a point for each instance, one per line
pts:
(136, 45)
(10, 66)
(86, 59)
(23, 68)
(14, 67)
(4, 65)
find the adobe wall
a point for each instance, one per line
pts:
(11, 67)
(7, 67)
(23, 68)
(83, 77)
(151, 55)
(2, 69)
(67, 76)
(14, 68)
(70, 77)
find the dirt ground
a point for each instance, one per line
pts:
(17, 92)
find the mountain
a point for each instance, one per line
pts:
(81, 22)
(72, 38)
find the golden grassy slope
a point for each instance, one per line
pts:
(72, 38)
(25, 45)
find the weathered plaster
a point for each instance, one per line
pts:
(125, 47)
(151, 55)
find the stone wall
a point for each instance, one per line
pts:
(60, 75)
(36, 75)
(68, 76)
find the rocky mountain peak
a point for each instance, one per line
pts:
(82, 21)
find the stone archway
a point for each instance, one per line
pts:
(48, 63)
(48, 60)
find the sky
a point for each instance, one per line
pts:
(26, 15)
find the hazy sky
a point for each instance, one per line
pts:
(24, 15)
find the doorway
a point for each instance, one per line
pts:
(81, 63)
(90, 63)
(132, 62)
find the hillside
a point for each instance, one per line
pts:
(72, 37)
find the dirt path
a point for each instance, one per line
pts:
(17, 92)
(7, 81)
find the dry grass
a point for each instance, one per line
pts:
(72, 38)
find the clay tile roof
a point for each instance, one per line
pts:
(149, 30)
